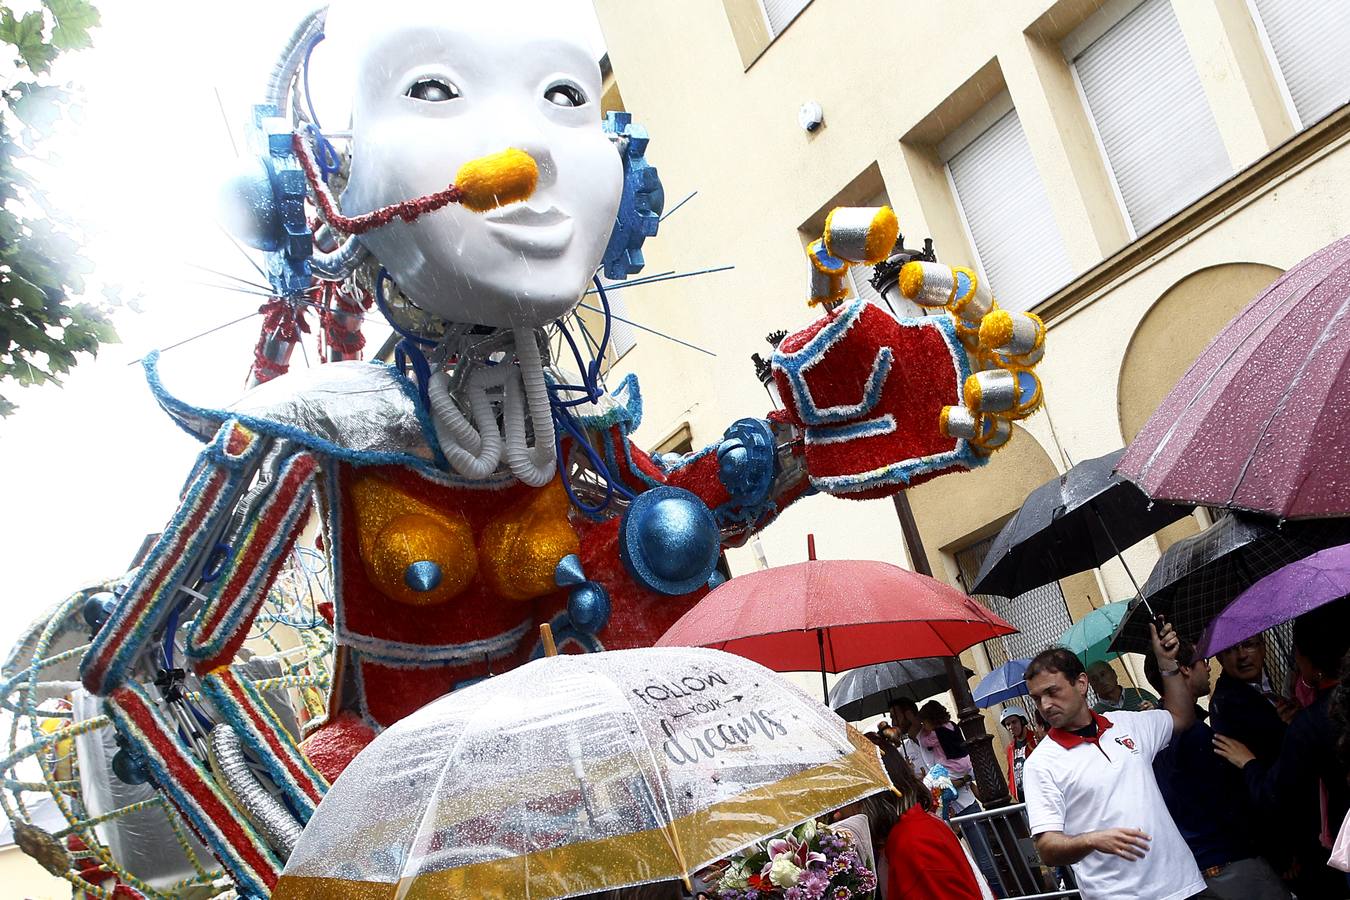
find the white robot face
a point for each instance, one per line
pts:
(439, 83)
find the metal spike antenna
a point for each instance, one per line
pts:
(649, 330)
(202, 334)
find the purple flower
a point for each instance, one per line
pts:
(841, 893)
(794, 893)
(814, 883)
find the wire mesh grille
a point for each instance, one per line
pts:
(1040, 615)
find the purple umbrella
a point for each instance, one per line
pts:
(1282, 595)
(1261, 421)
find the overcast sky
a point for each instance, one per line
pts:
(87, 471)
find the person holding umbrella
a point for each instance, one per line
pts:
(1092, 797)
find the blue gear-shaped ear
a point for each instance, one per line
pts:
(643, 200)
(265, 204)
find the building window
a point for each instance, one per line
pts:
(1310, 40)
(780, 13)
(1040, 615)
(1149, 110)
(1005, 208)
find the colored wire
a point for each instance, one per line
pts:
(384, 308)
(329, 162)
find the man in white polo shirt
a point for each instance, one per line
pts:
(1091, 795)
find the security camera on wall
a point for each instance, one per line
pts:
(810, 116)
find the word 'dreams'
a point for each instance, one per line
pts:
(688, 747)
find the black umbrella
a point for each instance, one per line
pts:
(868, 691)
(1071, 524)
(1197, 577)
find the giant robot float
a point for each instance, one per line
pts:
(480, 487)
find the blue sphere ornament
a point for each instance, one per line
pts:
(97, 608)
(669, 541)
(568, 571)
(422, 576)
(248, 208)
(588, 607)
(128, 768)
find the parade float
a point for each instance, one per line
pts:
(477, 486)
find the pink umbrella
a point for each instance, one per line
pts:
(1261, 422)
(835, 615)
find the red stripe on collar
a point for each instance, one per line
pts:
(1068, 740)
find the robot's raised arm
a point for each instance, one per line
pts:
(241, 510)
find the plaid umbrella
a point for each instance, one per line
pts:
(1197, 577)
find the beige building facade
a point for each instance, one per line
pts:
(1134, 172)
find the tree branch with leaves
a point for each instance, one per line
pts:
(45, 318)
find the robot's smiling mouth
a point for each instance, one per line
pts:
(531, 231)
(521, 214)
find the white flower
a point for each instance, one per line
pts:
(807, 831)
(784, 872)
(735, 878)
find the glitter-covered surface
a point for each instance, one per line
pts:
(575, 773)
(1261, 422)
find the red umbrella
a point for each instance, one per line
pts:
(835, 615)
(1261, 422)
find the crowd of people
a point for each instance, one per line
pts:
(1238, 790)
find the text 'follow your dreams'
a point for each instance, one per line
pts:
(693, 701)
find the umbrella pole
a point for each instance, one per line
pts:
(1138, 592)
(824, 685)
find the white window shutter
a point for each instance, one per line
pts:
(1008, 215)
(1150, 111)
(780, 13)
(1311, 42)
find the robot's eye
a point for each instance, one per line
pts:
(433, 90)
(564, 94)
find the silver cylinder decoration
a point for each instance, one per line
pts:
(823, 261)
(995, 432)
(972, 301)
(824, 288)
(927, 283)
(958, 422)
(861, 234)
(993, 391)
(1012, 333)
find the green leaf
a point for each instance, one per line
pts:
(26, 36)
(23, 290)
(74, 18)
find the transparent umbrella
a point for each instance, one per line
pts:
(577, 773)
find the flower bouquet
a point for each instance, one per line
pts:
(806, 863)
